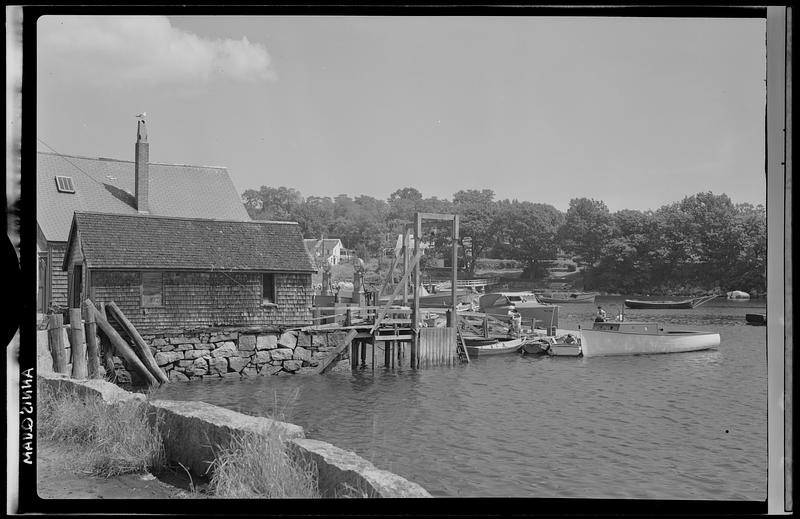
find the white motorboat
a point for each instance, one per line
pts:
(638, 338)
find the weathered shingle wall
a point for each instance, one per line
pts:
(197, 299)
(59, 280)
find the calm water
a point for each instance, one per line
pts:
(679, 426)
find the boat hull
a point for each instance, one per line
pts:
(756, 319)
(565, 350)
(659, 305)
(596, 343)
(559, 300)
(498, 348)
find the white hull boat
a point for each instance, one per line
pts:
(641, 338)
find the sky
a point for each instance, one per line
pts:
(635, 112)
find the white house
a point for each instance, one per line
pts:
(330, 250)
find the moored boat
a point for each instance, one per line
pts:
(497, 347)
(738, 295)
(526, 303)
(668, 305)
(756, 319)
(638, 338)
(568, 297)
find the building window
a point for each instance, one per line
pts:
(64, 184)
(268, 289)
(152, 289)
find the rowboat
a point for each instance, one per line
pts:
(565, 345)
(669, 305)
(497, 347)
(756, 319)
(568, 297)
(637, 338)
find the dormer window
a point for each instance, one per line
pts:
(65, 184)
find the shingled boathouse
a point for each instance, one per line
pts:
(69, 183)
(209, 297)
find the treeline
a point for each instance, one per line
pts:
(704, 242)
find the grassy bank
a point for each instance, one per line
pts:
(112, 440)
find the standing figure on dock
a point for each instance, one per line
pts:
(601, 315)
(516, 323)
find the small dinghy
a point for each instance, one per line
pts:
(496, 348)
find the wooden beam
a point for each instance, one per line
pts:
(139, 346)
(55, 336)
(437, 216)
(455, 267)
(121, 346)
(92, 350)
(415, 314)
(79, 369)
(327, 361)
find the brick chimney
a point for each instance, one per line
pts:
(142, 169)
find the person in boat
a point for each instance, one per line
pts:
(601, 315)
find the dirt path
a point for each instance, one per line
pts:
(59, 476)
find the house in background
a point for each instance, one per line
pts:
(329, 250)
(67, 183)
(170, 272)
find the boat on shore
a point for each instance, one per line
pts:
(756, 319)
(567, 297)
(738, 295)
(640, 338)
(497, 347)
(668, 305)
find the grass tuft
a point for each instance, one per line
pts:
(261, 466)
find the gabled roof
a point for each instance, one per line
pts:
(107, 185)
(158, 242)
(326, 244)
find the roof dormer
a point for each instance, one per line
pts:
(65, 184)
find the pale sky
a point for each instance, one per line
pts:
(635, 112)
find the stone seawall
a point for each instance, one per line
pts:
(188, 429)
(215, 353)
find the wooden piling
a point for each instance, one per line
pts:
(122, 347)
(139, 346)
(363, 353)
(107, 349)
(57, 346)
(79, 369)
(92, 350)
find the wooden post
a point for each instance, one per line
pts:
(348, 319)
(79, 369)
(363, 353)
(56, 341)
(373, 355)
(122, 347)
(405, 263)
(139, 346)
(455, 264)
(415, 312)
(92, 351)
(486, 326)
(386, 354)
(107, 349)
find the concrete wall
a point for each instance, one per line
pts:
(189, 429)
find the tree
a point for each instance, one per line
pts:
(269, 203)
(477, 211)
(586, 230)
(529, 233)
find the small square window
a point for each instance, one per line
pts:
(65, 184)
(152, 289)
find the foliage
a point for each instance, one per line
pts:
(701, 243)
